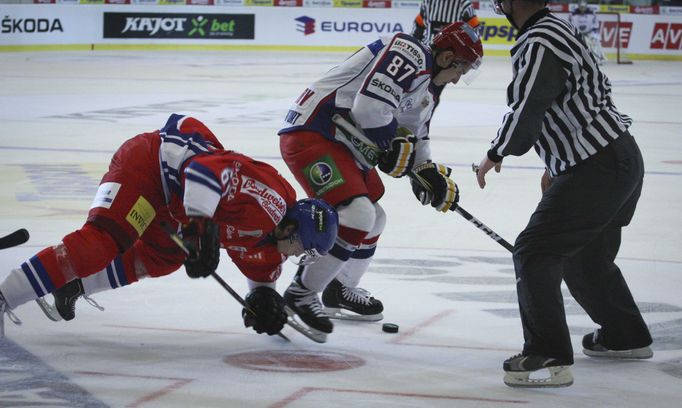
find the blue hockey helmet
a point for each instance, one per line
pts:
(318, 225)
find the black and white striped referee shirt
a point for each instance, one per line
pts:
(560, 100)
(438, 13)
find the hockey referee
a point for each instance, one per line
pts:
(561, 105)
(436, 14)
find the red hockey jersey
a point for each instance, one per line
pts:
(247, 198)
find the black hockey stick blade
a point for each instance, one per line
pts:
(18, 237)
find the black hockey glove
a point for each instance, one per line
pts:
(268, 314)
(399, 160)
(201, 238)
(431, 184)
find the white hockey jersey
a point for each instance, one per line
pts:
(385, 85)
(586, 23)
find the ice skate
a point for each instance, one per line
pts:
(522, 371)
(592, 347)
(305, 305)
(65, 298)
(346, 303)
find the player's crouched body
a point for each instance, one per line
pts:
(173, 197)
(371, 110)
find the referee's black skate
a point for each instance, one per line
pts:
(521, 371)
(346, 303)
(305, 304)
(593, 347)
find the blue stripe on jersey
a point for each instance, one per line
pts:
(376, 46)
(171, 128)
(200, 174)
(193, 141)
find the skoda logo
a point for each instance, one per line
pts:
(321, 173)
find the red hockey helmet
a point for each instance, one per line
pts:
(461, 39)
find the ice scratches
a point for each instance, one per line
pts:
(471, 280)
(407, 271)
(426, 263)
(672, 368)
(412, 267)
(132, 112)
(26, 381)
(493, 260)
(496, 296)
(667, 336)
(57, 182)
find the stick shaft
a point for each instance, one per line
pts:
(489, 232)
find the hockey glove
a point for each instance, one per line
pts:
(431, 184)
(268, 314)
(399, 160)
(201, 239)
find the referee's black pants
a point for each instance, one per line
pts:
(574, 234)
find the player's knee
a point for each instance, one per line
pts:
(359, 214)
(379, 221)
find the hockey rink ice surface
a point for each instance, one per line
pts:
(176, 342)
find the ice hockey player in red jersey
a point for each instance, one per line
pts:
(180, 178)
(384, 93)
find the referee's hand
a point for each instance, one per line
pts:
(484, 167)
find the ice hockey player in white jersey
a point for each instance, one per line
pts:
(586, 22)
(372, 109)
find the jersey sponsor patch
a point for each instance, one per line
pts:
(106, 193)
(270, 200)
(323, 175)
(141, 215)
(410, 51)
(385, 89)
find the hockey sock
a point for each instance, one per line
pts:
(317, 276)
(360, 259)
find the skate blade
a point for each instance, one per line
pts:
(313, 334)
(559, 376)
(343, 314)
(49, 310)
(634, 354)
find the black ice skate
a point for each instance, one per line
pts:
(519, 369)
(346, 303)
(65, 301)
(306, 305)
(592, 347)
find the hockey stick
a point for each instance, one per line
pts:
(350, 128)
(18, 237)
(180, 243)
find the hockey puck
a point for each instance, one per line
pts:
(390, 328)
